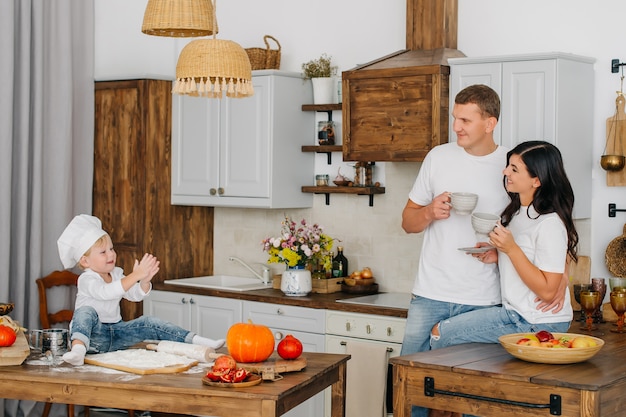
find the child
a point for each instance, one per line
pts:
(533, 245)
(97, 323)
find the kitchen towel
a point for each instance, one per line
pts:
(366, 379)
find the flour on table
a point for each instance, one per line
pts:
(141, 359)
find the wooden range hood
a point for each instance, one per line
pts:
(396, 108)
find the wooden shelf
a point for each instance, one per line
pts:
(327, 149)
(330, 189)
(321, 107)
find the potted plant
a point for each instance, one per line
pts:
(321, 72)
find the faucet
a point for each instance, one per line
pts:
(265, 278)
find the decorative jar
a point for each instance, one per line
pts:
(296, 281)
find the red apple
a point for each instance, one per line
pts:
(544, 335)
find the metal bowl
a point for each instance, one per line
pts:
(612, 162)
(6, 308)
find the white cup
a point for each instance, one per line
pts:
(463, 203)
(483, 224)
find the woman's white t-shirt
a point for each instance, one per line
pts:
(543, 239)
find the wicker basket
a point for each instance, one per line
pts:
(264, 58)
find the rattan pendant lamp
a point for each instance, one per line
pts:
(179, 18)
(213, 67)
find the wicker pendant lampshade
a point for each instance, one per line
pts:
(179, 18)
(212, 67)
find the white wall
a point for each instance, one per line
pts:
(354, 32)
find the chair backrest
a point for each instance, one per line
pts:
(55, 279)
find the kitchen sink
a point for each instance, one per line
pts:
(222, 282)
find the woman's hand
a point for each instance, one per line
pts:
(488, 257)
(502, 239)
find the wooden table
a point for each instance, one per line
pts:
(182, 393)
(484, 380)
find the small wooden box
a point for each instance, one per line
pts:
(318, 286)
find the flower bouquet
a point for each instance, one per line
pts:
(300, 245)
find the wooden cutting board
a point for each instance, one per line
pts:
(579, 273)
(271, 368)
(122, 360)
(16, 353)
(615, 142)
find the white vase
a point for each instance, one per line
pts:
(323, 90)
(296, 282)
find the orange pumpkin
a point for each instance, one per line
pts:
(249, 342)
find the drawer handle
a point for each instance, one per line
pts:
(389, 350)
(554, 405)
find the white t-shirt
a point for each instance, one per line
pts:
(105, 297)
(445, 273)
(544, 242)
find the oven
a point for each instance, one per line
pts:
(342, 327)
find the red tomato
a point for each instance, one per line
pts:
(289, 347)
(7, 336)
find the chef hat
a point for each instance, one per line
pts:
(80, 235)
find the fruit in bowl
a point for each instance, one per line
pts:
(562, 348)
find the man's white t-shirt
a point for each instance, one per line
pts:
(445, 273)
(543, 239)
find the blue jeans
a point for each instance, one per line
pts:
(486, 325)
(423, 314)
(108, 337)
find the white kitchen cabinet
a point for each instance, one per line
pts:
(207, 316)
(306, 324)
(343, 327)
(244, 152)
(545, 96)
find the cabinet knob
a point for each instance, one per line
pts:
(192, 301)
(212, 191)
(389, 331)
(278, 336)
(184, 300)
(220, 191)
(348, 326)
(368, 329)
(280, 312)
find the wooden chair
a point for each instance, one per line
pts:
(48, 319)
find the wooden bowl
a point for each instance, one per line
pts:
(341, 183)
(549, 355)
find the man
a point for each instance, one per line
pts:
(449, 281)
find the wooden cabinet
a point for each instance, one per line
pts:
(244, 152)
(396, 109)
(207, 316)
(543, 97)
(131, 188)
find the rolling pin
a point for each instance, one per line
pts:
(197, 352)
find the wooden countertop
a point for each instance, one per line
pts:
(313, 300)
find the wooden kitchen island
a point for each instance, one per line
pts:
(484, 380)
(182, 393)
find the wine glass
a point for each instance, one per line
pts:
(589, 301)
(618, 302)
(577, 289)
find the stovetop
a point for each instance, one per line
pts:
(383, 299)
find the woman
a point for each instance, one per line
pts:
(533, 245)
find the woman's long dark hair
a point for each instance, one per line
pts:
(543, 160)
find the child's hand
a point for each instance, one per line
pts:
(146, 268)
